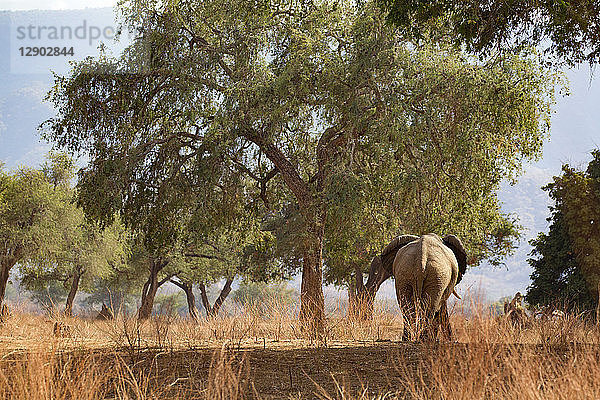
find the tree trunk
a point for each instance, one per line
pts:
(312, 302)
(72, 293)
(361, 298)
(150, 288)
(5, 266)
(145, 310)
(204, 298)
(188, 289)
(598, 306)
(312, 207)
(352, 301)
(191, 301)
(222, 296)
(213, 311)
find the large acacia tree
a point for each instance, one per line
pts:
(295, 98)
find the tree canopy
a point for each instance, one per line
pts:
(313, 108)
(34, 205)
(80, 251)
(566, 268)
(569, 30)
(556, 279)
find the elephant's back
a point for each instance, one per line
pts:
(435, 249)
(408, 261)
(426, 260)
(441, 268)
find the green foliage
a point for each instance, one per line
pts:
(35, 207)
(497, 307)
(578, 199)
(556, 278)
(59, 168)
(83, 249)
(569, 28)
(29, 214)
(49, 295)
(116, 291)
(209, 251)
(567, 266)
(418, 180)
(171, 303)
(260, 293)
(226, 124)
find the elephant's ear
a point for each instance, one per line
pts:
(458, 249)
(389, 252)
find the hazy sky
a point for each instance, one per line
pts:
(15, 5)
(575, 132)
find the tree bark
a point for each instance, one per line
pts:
(361, 298)
(213, 311)
(312, 308)
(352, 301)
(222, 296)
(150, 288)
(598, 306)
(72, 293)
(189, 295)
(204, 298)
(191, 301)
(312, 302)
(5, 266)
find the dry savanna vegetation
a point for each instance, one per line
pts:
(267, 355)
(254, 142)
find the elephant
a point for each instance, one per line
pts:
(426, 269)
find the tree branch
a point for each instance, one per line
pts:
(287, 170)
(207, 256)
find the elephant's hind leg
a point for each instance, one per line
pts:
(409, 314)
(430, 329)
(444, 322)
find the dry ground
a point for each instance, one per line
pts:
(252, 355)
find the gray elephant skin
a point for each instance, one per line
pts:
(426, 269)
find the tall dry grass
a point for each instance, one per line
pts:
(492, 359)
(492, 371)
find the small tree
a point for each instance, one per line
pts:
(570, 253)
(115, 291)
(557, 277)
(241, 250)
(83, 252)
(34, 206)
(263, 296)
(86, 253)
(48, 294)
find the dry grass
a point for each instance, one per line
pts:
(489, 371)
(127, 359)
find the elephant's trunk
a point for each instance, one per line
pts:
(456, 294)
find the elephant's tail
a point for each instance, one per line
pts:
(422, 257)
